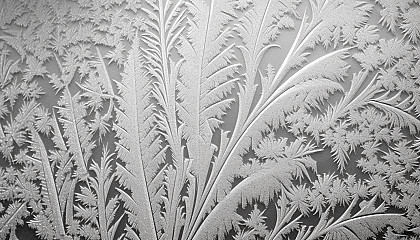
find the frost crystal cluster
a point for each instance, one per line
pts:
(210, 119)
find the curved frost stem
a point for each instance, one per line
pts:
(282, 226)
(51, 190)
(274, 95)
(320, 230)
(296, 77)
(237, 140)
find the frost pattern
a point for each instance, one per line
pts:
(216, 119)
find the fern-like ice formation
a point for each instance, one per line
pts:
(216, 119)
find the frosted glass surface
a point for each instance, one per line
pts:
(216, 119)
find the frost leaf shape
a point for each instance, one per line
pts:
(364, 224)
(76, 131)
(106, 209)
(203, 92)
(138, 145)
(396, 113)
(49, 190)
(79, 139)
(261, 185)
(262, 182)
(98, 206)
(165, 25)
